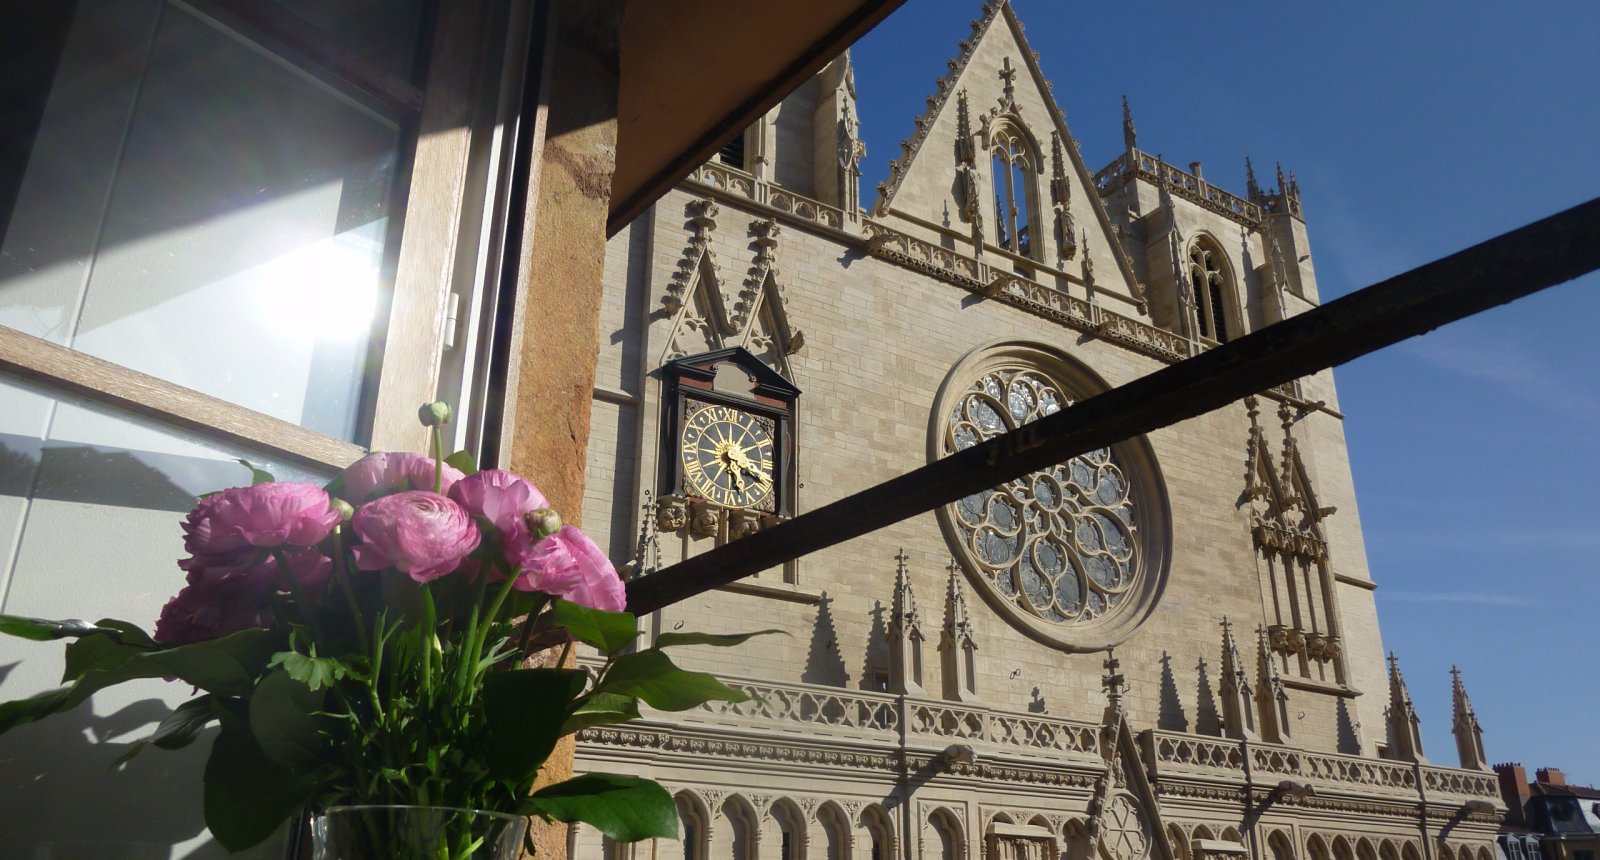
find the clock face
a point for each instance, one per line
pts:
(727, 456)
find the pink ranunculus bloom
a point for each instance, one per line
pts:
(265, 516)
(215, 606)
(419, 533)
(567, 565)
(390, 471)
(498, 496)
(309, 566)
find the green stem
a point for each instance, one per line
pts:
(469, 670)
(342, 576)
(481, 635)
(425, 638)
(438, 459)
(307, 610)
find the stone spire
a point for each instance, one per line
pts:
(1252, 187)
(1238, 711)
(1464, 723)
(1270, 695)
(1060, 198)
(967, 172)
(905, 634)
(957, 651)
(1130, 135)
(1404, 725)
(1112, 681)
(1283, 185)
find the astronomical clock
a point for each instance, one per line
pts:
(728, 454)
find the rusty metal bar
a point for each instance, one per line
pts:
(1507, 267)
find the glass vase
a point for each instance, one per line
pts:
(416, 833)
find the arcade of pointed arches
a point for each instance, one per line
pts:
(733, 826)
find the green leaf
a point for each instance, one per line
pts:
(283, 719)
(179, 729)
(655, 679)
(226, 666)
(609, 631)
(96, 651)
(601, 709)
(23, 711)
(247, 795)
(44, 630)
(130, 634)
(625, 808)
(257, 476)
(719, 640)
(525, 709)
(463, 461)
(309, 669)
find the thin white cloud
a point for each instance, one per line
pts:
(1553, 538)
(1479, 598)
(1511, 370)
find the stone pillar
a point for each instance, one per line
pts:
(558, 307)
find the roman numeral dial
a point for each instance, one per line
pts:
(727, 456)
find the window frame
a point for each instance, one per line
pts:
(437, 180)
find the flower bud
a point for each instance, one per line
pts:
(435, 414)
(342, 508)
(543, 522)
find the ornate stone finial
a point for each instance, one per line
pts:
(1130, 136)
(905, 634)
(1464, 724)
(1252, 187)
(1294, 186)
(1404, 724)
(1060, 198)
(1283, 186)
(1008, 77)
(1270, 695)
(1113, 680)
(1238, 709)
(649, 544)
(1252, 408)
(957, 650)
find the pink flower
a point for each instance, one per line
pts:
(264, 515)
(309, 567)
(211, 607)
(419, 533)
(568, 565)
(386, 472)
(498, 496)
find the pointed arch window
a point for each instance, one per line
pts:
(1013, 165)
(1208, 276)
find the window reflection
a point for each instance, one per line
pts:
(205, 202)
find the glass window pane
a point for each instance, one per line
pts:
(200, 209)
(90, 505)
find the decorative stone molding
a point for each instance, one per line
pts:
(1135, 164)
(935, 103)
(703, 219)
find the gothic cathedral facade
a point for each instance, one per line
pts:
(1167, 649)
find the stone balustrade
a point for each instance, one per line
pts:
(1136, 163)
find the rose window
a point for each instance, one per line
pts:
(1062, 543)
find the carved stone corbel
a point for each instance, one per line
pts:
(742, 523)
(705, 518)
(672, 513)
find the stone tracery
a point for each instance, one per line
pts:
(1062, 542)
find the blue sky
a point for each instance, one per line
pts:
(1415, 130)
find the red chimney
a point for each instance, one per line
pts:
(1551, 775)
(1513, 790)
